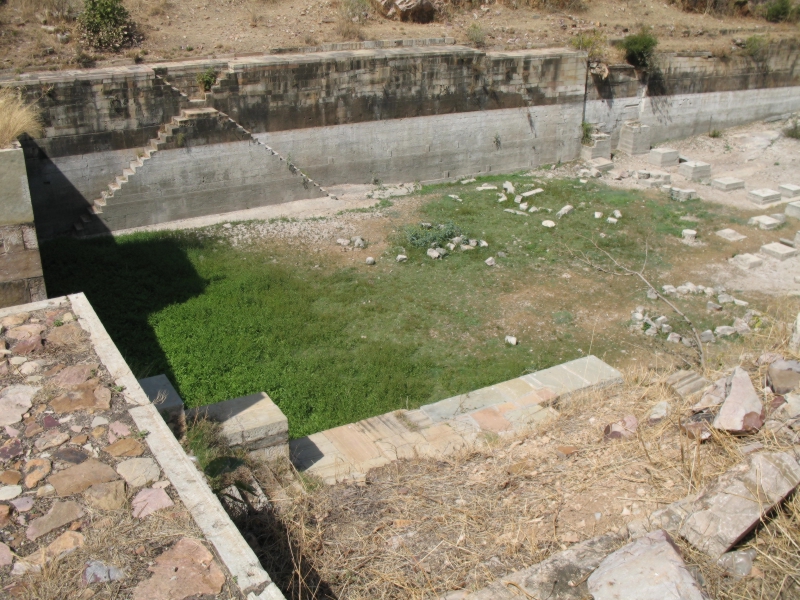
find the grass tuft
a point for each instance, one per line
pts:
(16, 117)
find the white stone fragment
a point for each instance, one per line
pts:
(764, 222)
(511, 340)
(598, 215)
(727, 184)
(763, 196)
(490, 261)
(530, 193)
(778, 250)
(564, 211)
(401, 258)
(747, 261)
(508, 187)
(548, 224)
(730, 235)
(611, 220)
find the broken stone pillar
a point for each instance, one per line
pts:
(599, 148)
(21, 278)
(253, 423)
(634, 138)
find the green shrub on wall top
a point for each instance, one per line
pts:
(640, 48)
(106, 24)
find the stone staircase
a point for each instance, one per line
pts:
(442, 428)
(198, 124)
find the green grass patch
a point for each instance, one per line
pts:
(332, 345)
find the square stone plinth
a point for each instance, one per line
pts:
(728, 184)
(253, 422)
(167, 402)
(763, 196)
(747, 261)
(789, 190)
(694, 170)
(778, 250)
(764, 222)
(730, 235)
(663, 157)
(793, 209)
(681, 195)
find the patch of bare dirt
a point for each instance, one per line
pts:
(178, 29)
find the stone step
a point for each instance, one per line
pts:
(685, 383)
(444, 427)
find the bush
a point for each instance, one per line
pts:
(715, 133)
(476, 34)
(587, 129)
(16, 117)
(593, 42)
(207, 79)
(421, 237)
(640, 48)
(793, 131)
(106, 24)
(756, 47)
(779, 11)
(352, 13)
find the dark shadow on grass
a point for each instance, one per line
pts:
(140, 275)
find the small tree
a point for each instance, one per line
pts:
(640, 49)
(106, 24)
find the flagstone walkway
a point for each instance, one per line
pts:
(447, 426)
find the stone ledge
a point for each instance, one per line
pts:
(190, 484)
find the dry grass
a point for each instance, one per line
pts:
(420, 528)
(16, 117)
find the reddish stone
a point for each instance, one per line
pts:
(33, 429)
(49, 422)
(24, 332)
(186, 569)
(10, 477)
(74, 456)
(59, 515)
(66, 335)
(76, 479)
(28, 346)
(35, 470)
(5, 514)
(11, 449)
(74, 376)
(149, 501)
(621, 429)
(82, 397)
(125, 447)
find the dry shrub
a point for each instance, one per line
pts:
(352, 15)
(49, 10)
(420, 528)
(16, 117)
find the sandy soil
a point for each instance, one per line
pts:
(175, 29)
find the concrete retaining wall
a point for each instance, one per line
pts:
(20, 266)
(394, 114)
(203, 180)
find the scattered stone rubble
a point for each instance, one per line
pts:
(713, 520)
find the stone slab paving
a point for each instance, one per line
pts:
(728, 184)
(789, 190)
(447, 426)
(731, 235)
(778, 250)
(763, 196)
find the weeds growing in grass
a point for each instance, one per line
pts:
(430, 237)
(16, 117)
(756, 47)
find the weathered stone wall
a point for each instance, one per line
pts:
(412, 113)
(692, 93)
(20, 266)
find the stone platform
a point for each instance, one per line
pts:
(447, 426)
